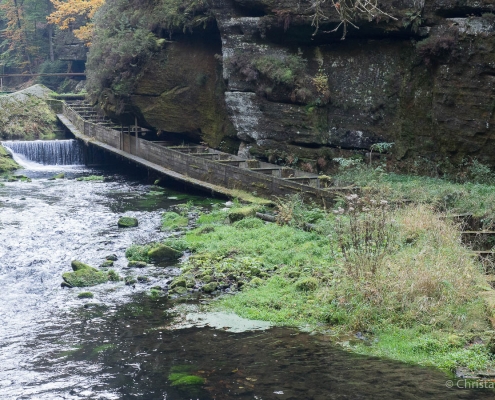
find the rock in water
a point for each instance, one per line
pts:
(164, 253)
(128, 222)
(83, 275)
(136, 264)
(111, 257)
(107, 264)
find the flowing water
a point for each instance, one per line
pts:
(48, 152)
(124, 343)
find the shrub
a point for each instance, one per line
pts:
(364, 233)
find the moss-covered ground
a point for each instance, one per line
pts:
(7, 164)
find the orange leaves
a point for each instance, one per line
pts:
(67, 12)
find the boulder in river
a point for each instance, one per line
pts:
(83, 276)
(136, 264)
(106, 264)
(111, 257)
(164, 253)
(58, 176)
(127, 222)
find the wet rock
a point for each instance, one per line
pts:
(178, 290)
(143, 279)
(84, 275)
(210, 287)
(111, 257)
(58, 176)
(107, 264)
(113, 276)
(163, 253)
(179, 282)
(128, 222)
(136, 264)
(130, 280)
(85, 295)
(78, 266)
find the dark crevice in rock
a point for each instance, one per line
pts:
(463, 12)
(307, 145)
(250, 10)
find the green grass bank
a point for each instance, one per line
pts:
(384, 272)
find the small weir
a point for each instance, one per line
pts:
(49, 152)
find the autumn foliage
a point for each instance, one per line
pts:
(67, 12)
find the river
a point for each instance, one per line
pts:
(126, 344)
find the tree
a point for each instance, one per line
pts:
(25, 32)
(68, 12)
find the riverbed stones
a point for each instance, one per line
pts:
(210, 287)
(85, 295)
(130, 280)
(83, 275)
(58, 176)
(111, 257)
(164, 253)
(106, 264)
(128, 222)
(136, 264)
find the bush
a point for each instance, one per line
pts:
(52, 67)
(364, 233)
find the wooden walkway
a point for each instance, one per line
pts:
(198, 166)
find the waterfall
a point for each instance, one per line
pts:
(48, 152)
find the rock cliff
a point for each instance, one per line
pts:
(259, 78)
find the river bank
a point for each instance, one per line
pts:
(418, 298)
(127, 341)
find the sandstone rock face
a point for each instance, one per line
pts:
(262, 81)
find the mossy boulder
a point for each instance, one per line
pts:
(6, 162)
(58, 176)
(179, 282)
(111, 257)
(238, 214)
(83, 276)
(136, 264)
(107, 264)
(130, 280)
(182, 379)
(85, 295)
(79, 266)
(178, 290)
(163, 253)
(128, 222)
(210, 287)
(113, 276)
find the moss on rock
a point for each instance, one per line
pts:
(85, 295)
(83, 275)
(128, 222)
(136, 264)
(210, 287)
(7, 163)
(163, 253)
